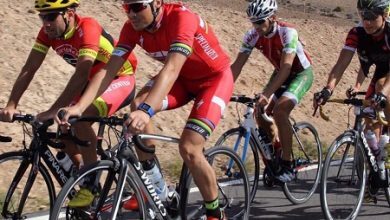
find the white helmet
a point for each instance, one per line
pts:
(261, 9)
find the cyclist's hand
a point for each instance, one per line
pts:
(351, 92)
(7, 113)
(262, 101)
(137, 121)
(321, 97)
(63, 114)
(379, 100)
(44, 116)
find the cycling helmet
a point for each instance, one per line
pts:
(49, 5)
(261, 9)
(374, 5)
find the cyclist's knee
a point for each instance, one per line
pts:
(191, 147)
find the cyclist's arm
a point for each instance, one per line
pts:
(100, 82)
(338, 69)
(284, 72)
(26, 75)
(165, 79)
(76, 83)
(360, 79)
(239, 64)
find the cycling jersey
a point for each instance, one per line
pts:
(371, 49)
(180, 31)
(282, 39)
(205, 75)
(87, 38)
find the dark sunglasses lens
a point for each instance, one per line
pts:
(259, 22)
(49, 17)
(368, 15)
(136, 7)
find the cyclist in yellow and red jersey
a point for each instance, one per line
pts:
(195, 68)
(292, 77)
(83, 43)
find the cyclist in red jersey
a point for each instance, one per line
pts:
(292, 77)
(195, 68)
(370, 40)
(81, 42)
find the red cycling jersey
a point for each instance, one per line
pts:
(180, 31)
(205, 76)
(88, 38)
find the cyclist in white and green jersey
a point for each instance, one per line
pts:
(292, 78)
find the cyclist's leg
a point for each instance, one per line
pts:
(118, 94)
(296, 89)
(210, 102)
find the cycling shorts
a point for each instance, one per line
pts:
(119, 94)
(296, 86)
(210, 97)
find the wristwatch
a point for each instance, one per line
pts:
(146, 108)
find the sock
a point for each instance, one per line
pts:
(212, 208)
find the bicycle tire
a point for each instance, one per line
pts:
(21, 162)
(307, 164)
(103, 169)
(338, 184)
(191, 202)
(387, 191)
(253, 166)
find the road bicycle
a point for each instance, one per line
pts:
(345, 178)
(26, 177)
(124, 165)
(306, 154)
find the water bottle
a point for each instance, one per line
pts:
(265, 144)
(64, 160)
(158, 181)
(383, 140)
(372, 142)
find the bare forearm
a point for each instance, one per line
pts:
(278, 80)
(95, 88)
(20, 86)
(72, 89)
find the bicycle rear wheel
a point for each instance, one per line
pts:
(15, 169)
(233, 191)
(307, 159)
(235, 139)
(343, 178)
(101, 208)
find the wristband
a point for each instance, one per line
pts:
(146, 108)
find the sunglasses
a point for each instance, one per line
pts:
(50, 16)
(368, 15)
(259, 22)
(134, 7)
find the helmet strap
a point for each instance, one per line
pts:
(271, 29)
(155, 12)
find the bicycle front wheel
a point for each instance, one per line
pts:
(105, 175)
(387, 189)
(343, 179)
(233, 191)
(307, 159)
(245, 148)
(17, 200)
